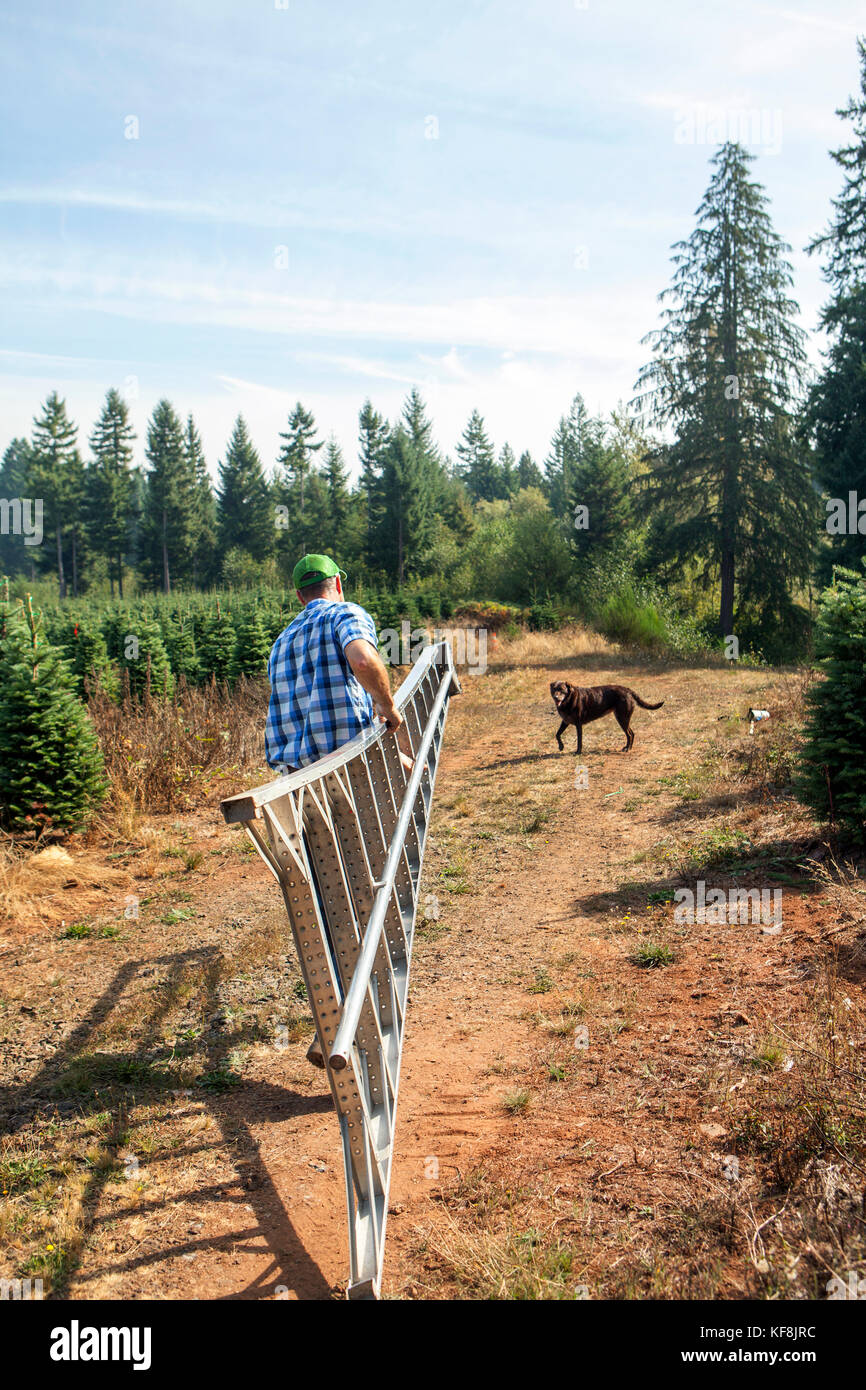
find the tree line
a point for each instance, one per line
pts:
(711, 485)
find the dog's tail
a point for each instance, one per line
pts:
(643, 704)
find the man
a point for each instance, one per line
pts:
(327, 678)
(327, 683)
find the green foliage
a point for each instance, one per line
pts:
(252, 647)
(171, 502)
(86, 648)
(732, 493)
(625, 618)
(109, 485)
(50, 764)
(543, 617)
(836, 414)
(244, 511)
(145, 660)
(216, 645)
(833, 780)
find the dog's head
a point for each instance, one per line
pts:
(559, 690)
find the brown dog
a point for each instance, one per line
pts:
(580, 704)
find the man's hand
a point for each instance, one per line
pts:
(390, 713)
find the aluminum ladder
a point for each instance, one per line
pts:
(344, 837)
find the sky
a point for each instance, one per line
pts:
(238, 204)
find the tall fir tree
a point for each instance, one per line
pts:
(336, 479)
(835, 417)
(507, 470)
(245, 518)
(205, 555)
(372, 443)
(56, 476)
(298, 459)
(169, 508)
(478, 467)
(419, 430)
(15, 486)
(109, 486)
(404, 506)
(576, 434)
(602, 485)
(528, 472)
(732, 493)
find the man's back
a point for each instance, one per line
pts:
(316, 702)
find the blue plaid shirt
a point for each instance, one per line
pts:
(316, 702)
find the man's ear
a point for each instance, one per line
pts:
(339, 585)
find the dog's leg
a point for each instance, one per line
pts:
(623, 719)
(579, 749)
(560, 731)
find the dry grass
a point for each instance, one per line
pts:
(30, 881)
(165, 755)
(546, 648)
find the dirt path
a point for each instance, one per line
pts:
(237, 1191)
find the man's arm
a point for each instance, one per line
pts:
(369, 670)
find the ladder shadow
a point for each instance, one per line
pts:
(292, 1266)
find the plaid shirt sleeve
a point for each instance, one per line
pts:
(353, 622)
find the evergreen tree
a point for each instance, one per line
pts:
(85, 649)
(109, 486)
(478, 468)
(244, 512)
(15, 477)
(336, 480)
(253, 645)
(420, 432)
(145, 659)
(50, 763)
(576, 434)
(56, 478)
(404, 508)
(507, 471)
(215, 641)
(170, 496)
(602, 484)
(832, 779)
(528, 472)
(372, 442)
(297, 457)
(178, 636)
(836, 412)
(205, 559)
(732, 492)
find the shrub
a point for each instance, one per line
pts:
(50, 764)
(253, 646)
(833, 780)
(543, 617)
(627, 619)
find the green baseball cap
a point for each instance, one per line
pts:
(312, 569)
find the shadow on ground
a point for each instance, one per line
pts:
(77, 1083)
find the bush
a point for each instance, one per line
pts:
(50, 764)
(627, 619)
(543, 617)
(833, 780)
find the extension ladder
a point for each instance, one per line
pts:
(344, 837)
